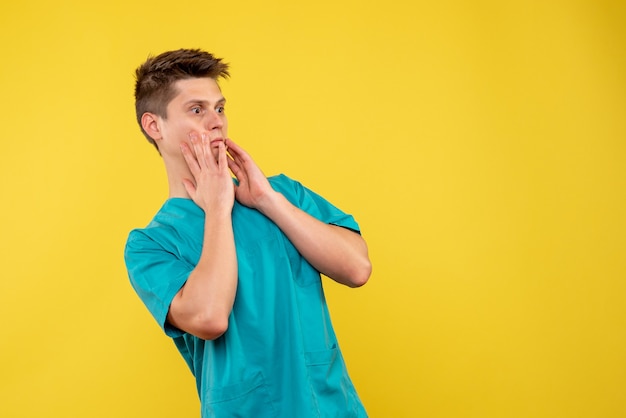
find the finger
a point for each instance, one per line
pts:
(233, 148)
(190, 187)
(238, 153)
(208, 156)
(191, 161)
(222, 159)
(238, 149)
(236, 169)
(246, 164)
(197, 144)
(235, 152)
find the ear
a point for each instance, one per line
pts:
(151, 124)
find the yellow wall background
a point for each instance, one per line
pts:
(480, 144)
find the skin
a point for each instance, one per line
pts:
(199, 160)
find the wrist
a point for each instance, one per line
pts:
(270, 202)
(217, 210)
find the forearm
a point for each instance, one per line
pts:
(203, 305)
(336, 252)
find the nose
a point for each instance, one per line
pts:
(214, 121)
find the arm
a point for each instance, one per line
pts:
(203, 304)
(336, 252)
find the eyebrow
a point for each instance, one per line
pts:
(204, 102)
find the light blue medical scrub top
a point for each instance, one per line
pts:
(279, 356)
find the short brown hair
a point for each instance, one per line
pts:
(155, 79)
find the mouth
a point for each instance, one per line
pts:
(204, 136)
(215, 141)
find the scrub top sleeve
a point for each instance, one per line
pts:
(156, 275)
(312, 203)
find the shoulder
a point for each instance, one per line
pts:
(282, 181)
(172, 219)
(287, 185)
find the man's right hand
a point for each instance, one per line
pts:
(212, 185)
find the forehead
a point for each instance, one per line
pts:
(200, 89)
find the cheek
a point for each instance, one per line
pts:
(184, 128)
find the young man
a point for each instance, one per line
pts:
(230, 268)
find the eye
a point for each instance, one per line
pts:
(220, 109)
(196, 109)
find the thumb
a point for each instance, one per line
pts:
(190, 187)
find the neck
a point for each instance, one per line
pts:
(177, 171)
